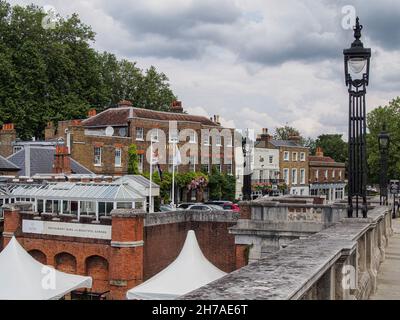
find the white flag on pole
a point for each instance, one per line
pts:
(154, 158)
(177, 160)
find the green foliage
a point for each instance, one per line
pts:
(333, 146)
(390, 116)
(165, 184)
(54, 74)
(310, 143)
(283, 133)
(221, 186)
(228, 187)
(133, 160)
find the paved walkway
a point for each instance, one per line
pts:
(389, 273)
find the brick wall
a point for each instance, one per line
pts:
(163, 242)
(321, 174)
(124, 262)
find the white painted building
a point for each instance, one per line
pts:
(266, 168)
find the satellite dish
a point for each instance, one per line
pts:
(122, 132)
(109, 131)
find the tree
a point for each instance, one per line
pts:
(285, 132)
(215, 182)
(310, 143)
(228, 187)
(390, 116)
(133, 160)
(333, 146)
(55, 74)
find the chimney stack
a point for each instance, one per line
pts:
(319, 152)
(92, 112)
(124, 104)
(216, 120)
(176, 107)
(62, 161)
(264, 136)
(8, 135)
(295, 138)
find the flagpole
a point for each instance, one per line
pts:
(151, 175)
(173, 174)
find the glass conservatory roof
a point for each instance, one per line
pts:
(101, 192)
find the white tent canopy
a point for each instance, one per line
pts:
(24, 278)
(189, 271)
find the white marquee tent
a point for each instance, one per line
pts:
(24, 278)
(189, 271)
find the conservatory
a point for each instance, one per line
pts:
(74, 198)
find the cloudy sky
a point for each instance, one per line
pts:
(256, 63)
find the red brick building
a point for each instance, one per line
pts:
(101, 142)
(327, 177)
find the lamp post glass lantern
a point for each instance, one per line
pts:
(383, 142)
(356, 67)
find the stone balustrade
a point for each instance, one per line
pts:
(337, 263)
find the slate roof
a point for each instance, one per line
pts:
(121, 115)
(285, 143)
(42, 159)
(6, 165)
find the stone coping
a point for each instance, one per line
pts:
(290, 272)
(127, 213)
(158, 218)
(245, 226)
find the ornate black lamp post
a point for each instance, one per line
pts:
(383, 141)
(246, 167)
(356, 66)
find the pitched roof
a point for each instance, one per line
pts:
(320, 159)
(285, 143)
(324, 161)
(41, 161)
(121, 115)
(6, 165)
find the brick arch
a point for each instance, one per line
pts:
(39, 256)
(97, 267)
(65, 262)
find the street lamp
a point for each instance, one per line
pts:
(356, 66)
(246, 167)
(383, 141)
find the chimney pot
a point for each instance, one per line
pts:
(8, 126)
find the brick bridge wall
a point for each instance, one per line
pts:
(165, 234)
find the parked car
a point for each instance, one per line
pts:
(166, 208)
(226, 205)
(205, 207)
(185, 205)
